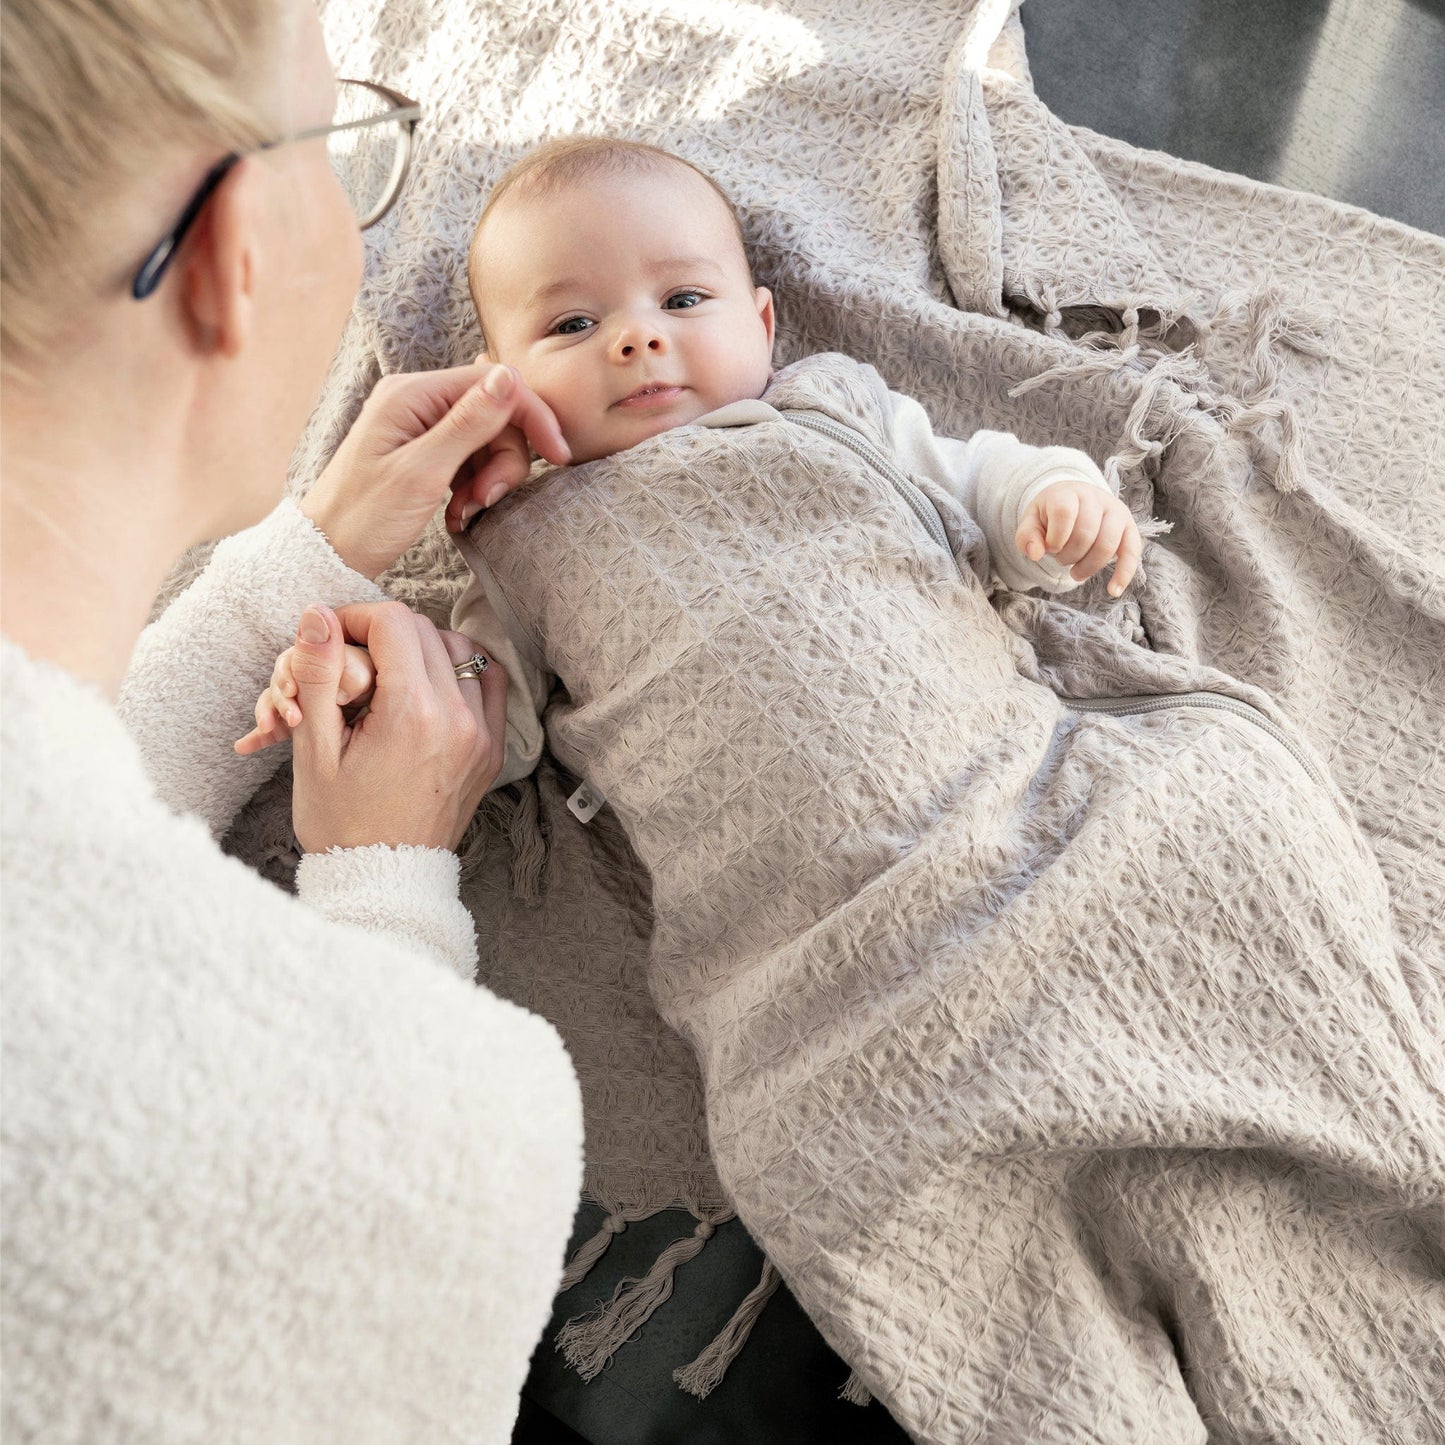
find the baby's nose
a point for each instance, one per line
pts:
(632, 345)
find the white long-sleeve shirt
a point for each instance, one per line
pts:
(274, 1169)
(993, 475)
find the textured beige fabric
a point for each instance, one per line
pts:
(911, 208)
(1019, 1028)
(993, 475)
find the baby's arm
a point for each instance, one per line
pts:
(1047, 513)
(528, 687)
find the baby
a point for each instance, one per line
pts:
(1010, 1006)
(611, 276)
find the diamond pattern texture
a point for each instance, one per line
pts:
(915, 207)
(1021, 1031)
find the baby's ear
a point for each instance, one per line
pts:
(764, 298)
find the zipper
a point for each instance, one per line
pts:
(1140, 703)
(917, 503)
(1129, 706)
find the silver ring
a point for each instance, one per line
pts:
(474, 666)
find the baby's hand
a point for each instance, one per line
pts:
(277, 711)
(1085, 527)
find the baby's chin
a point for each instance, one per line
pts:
(629, 432)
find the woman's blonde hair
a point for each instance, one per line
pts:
(92, 90)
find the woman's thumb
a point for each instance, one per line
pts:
(316, 665)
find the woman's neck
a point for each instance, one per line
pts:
(87, 535)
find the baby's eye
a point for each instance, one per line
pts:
(681, 300)
(572, 326)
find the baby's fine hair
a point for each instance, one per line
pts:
(567, 160)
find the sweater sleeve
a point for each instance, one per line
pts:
(409, 893)
(994, 476)
(198, 669)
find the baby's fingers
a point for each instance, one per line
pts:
(255, 741)
(1029, 538)
(269, 728)
(1130, 549)
(1102, 549)
(271, 724)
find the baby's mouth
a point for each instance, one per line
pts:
(655, 393)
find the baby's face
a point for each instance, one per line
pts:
(625, 303)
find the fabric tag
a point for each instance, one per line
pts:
(586, 802)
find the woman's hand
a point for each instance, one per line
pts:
(1084, 527)
(467, 431)
(412, 769)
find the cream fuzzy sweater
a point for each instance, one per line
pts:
(274, 1170)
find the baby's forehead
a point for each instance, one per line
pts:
(689, 203)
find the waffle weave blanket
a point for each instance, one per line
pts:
(1167, 1207)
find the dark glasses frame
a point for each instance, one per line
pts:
(403, 109)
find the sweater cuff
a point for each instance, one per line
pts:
(278, 568)
(410, 893)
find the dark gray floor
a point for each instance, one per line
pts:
(1342, 97)
(1345, 98)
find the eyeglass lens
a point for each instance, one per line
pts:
(369, 160)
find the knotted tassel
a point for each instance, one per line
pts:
(705, 1373)
(589, 1253)
(528, 842)
(1268, 326)
(590, 1341)
(855, 1392)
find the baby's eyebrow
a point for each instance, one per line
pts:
(543, 294)
(668, 264)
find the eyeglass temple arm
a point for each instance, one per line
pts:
(154, 265)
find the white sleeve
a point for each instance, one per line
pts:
(994, 476)
(190, 693)
(408, 893)
(528, 686)
(198, 669)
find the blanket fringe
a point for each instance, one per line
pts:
(1159, 414)
(705, 1373)
(1178, 385)
(854, 1391)
(528, 843)
(590, 1341)
(580, 1265)
(1268, 327)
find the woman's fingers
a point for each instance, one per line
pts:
(498, 403)
(486, 696)
(358, 676)
(388, 631)
(317, 660)
(487, 478)
(415, 436)
(413, 770)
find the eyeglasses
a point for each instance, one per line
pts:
(368, 143)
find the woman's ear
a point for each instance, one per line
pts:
(221, 261)
(764, 298)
